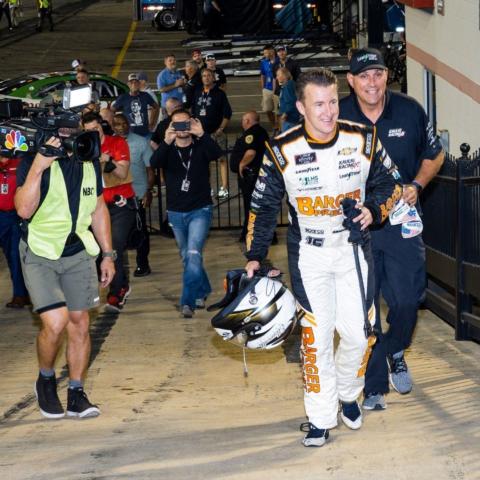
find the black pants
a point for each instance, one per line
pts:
(5, 9)
(143, 249)
(247, 186)
(122, 220)
(213, 24)
(42, 13)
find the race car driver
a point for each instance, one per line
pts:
(318, 164)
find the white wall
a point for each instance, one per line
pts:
(453, 39)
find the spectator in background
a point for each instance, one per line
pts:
(197, 57)
(268, 83)
(288, 62)
(213, 18)
(185, 155)
(134, 105)
(171, 105)
(10, 230)
(120, 199)
(153, 113)
(193, 80)
(287, 108)
(212, 108)
(107, 115)
(143, 181)
(44, 10)
(219, 74)
(170, 81)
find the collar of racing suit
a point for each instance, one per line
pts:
(318, 144)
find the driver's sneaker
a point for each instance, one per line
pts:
(400, 377)
(47, 397)
(222, 193)
(79, 406)
(315, 437)
(351, 414)
(374, 401)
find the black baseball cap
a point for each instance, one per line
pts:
(366, 59)
(210, 56)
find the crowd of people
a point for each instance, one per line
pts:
(13, 12)
(375, 146)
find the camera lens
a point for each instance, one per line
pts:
(85, 146)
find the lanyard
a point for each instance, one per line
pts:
(185, 166)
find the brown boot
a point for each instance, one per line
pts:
(19, 302)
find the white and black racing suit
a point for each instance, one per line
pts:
(316, 176)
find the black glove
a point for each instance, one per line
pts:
(350, 211)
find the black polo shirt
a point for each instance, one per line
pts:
(403, 128)
(253, 138)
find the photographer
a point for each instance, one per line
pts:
(60, 199)
(184, 155)
(120, 199)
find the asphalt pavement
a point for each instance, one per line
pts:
(175, 402)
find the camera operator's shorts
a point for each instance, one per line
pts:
(269, 101)
(221, 141)
(68, 281)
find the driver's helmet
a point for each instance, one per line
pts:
(257, 313)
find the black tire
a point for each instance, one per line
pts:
(166, 20)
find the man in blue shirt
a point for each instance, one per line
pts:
(407, 135)
(134, 105)
(267, 82)
(170, 81)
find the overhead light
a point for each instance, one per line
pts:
(400, 29)
(154, 8)
(278, 6)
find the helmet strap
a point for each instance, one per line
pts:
(245, 367)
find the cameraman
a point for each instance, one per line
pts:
(59, 201)
(120, 199)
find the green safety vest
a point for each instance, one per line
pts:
(43, 3)
(52, 223)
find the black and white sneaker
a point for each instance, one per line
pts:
(79, 406)
(315, 437)
(46, 392)
(351, 414)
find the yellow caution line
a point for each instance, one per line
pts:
(123, 51)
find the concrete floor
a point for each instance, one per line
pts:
(174, 401)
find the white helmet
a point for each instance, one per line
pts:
(261, 314)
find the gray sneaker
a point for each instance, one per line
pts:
(200, 303)
(187, 311)
(400, 377)
(374, 401)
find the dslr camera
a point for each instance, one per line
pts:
(24, 130)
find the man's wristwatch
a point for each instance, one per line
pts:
(112, 254)
(417, 186)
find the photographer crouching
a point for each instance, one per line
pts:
(120, 199)
(60, 198)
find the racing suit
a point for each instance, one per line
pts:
(316, 176)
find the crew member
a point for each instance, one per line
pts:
(319, 163)
(44, 10)
(407, 134)
(61, 200)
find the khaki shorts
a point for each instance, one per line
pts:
(269, 101)
(68, 281)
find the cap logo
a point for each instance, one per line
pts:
(368, 57)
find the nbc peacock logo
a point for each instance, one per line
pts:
(16, 141)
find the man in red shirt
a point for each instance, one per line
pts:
(10, 230)
(120, 199)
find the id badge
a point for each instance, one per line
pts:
(185, 185)
(4, 189)
(203, 112)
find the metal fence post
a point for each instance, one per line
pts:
(462, 300)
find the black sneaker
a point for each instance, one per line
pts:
(142, 271)
(79, 406)
(315, 437)
(48, 401)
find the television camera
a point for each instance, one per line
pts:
(24, 130)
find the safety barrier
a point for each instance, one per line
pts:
(451, 208)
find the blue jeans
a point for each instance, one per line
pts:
(191, 231)
(9, 240)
